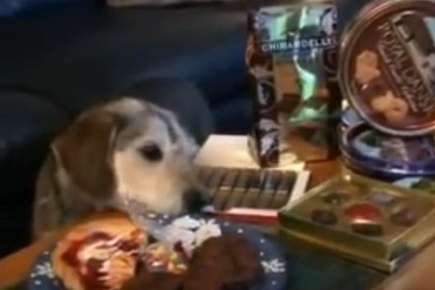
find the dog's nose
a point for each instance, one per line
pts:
(195, 200)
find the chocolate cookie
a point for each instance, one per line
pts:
(227, 262)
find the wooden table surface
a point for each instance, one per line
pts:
(415, 275)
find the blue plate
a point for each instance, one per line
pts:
(272, 255)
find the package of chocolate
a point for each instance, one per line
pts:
(291, 57)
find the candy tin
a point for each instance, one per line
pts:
(350, 118)
(371, 152)
(374, 223)
(426, 184)
(387, 66)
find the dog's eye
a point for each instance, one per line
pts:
(151, 152)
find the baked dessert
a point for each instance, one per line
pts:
(99, 255)
(228, 262)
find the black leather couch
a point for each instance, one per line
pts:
(57, 60)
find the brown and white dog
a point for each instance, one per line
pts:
(124, 149)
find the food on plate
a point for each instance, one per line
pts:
(158, 257)
(112, 253)
(101, 254)
(220, 263)
(226, 262)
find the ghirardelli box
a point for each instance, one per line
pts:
(292, 58)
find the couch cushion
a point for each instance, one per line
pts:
(235, 116)
(12, 7)
(154, 3)
(72, 54)
(27, 125)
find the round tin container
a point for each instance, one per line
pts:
(387, 66)
(350, 118)
(373, 153)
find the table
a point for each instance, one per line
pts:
(415, 275)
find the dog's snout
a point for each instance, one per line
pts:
(195, 200)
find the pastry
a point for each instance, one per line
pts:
(100, 254)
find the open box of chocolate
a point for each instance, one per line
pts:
(367, 221)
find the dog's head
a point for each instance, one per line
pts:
(129, 149)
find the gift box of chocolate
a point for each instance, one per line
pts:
(292, 57)
(367, 221)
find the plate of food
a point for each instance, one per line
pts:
(183, 253)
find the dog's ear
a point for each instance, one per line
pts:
(84, 151)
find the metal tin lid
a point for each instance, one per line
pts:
(369, 150)
(350, 118)
(387, 66)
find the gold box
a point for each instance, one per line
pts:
(364, 220)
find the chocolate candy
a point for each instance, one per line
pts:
(223, 192)
(367, 228)
(248, 188)
(324, 217)
(404, 216)
(363, 212)
(365, 219)
(383, 199)
(336, 198)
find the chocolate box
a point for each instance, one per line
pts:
(292, 57)
(363, 220)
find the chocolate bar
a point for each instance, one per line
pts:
(254, 192)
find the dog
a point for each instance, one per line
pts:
(126, 149)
